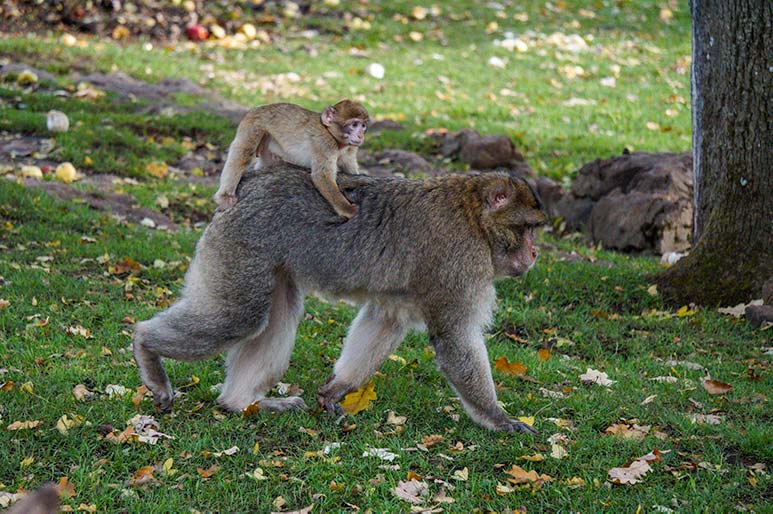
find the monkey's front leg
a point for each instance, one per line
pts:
(347, 162)
(324, 177)
(462, 357)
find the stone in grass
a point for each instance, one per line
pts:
(759, 314)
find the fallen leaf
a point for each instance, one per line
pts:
(511, 368)
(623, 431)
(6, 386)
(709, 419)
(431, 440)
(630, 474)
(461, 474)
(521, 476)
(141, 392)
(114, 390)
(166, 467)
(575, 482)
(279, 503)
(412, 491)
(360, 399)
(257, 474)
(23, 425)
(739, 310)
(381, 453)
(503, 489)
(544, 354)
(251, 409)
(65, 488)
(592, 376)
(28, 387)
(64, 424)
(143, 476)
(81, 393)
(649, 399)
(716, 387)
(230, 451)
(537, 457)
(207, 473)
(157, 169)
(558, 452)
(393, 419)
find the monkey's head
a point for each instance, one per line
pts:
(347, 121)
(511, 211)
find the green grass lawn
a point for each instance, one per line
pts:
(73, 280)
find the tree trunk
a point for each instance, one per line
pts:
(732, 85)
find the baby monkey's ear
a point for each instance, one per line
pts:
(497, 194)
(328, 115)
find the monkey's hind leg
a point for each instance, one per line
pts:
(243, 149)
(260, 360)
(374, 334)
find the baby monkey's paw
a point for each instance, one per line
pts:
(517, 426)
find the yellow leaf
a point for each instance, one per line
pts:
(66, 172)
(166, 467)
(529, 420)
(251, 409)
(461, 474)
(256, 448)
(27, 387)
(360, 399)
(684, 311)
(157, 169)
(26, 462)
(511, 368)
(544, 354)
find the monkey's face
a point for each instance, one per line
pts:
(347, 121)
(353, 131)
(510, 218)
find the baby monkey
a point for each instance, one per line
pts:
(323, 142)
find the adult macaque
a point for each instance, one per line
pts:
(322, 142)
(419, 253)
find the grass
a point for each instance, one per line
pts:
(63, 265)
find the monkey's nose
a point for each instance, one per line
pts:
(534, 254)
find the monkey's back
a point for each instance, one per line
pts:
(403, 233)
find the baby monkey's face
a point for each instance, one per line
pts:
(354, 131)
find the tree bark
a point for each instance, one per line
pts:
(732, 85)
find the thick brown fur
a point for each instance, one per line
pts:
(419, 253)
(323, 142)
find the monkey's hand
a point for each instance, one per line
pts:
(517, 426)
(225, 200)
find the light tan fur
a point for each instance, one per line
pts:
(323, 142)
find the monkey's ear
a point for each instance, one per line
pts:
(499, 195)
(328, 115)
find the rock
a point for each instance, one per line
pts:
(18, 69)
(482, 152)
(767, 292)
(759, 314)
(633, 202)
(550, 192)
(385, 124)
(405, 161)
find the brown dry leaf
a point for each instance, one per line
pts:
(393, 419)
(630, 474)
(461, 474)
(544, 354)
(304, 510)
(141, 392)
(23, 425)
(6, 386)
(65, 488)
(431, 440)
(537, 457)
(716, 387)
(4, 303)
(82, 393)
(279, 503)
(414, 476)
(503, 489)
(207, 473)
(521, 476)
(360, 399)
(143, 476)
(251, 409)
(635, 432)
(511, 368)
(412, 491)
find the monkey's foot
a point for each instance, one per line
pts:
(163, 400)
(330, 394)
(517, 426)
(290, 403)
(225, 200)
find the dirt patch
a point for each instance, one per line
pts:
(122, 207)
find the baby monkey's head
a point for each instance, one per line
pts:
(347, 121)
